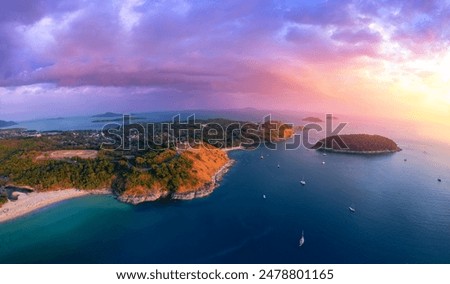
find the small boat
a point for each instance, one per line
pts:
(303, 182)
(262, 157)
(264, 196)
(324, 154)
(439, 180)
(278, 165)
(323, 163)
(302, 240)
(405, 160)
(351, 209)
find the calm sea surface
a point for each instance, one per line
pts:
(402, 215)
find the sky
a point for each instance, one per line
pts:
(387, 59)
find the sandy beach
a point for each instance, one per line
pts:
(29, 202)
(233, 148)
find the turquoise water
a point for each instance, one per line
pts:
(402, 216)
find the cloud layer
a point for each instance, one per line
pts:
(207, 53)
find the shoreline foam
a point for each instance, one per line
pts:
(30, 202)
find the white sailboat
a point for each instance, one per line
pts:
(264, 196)
(303, 182)
(302, 239)
(352, 209)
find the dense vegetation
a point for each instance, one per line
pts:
(124, 171)
(165, 169)
(18, 163)
(358, 143)
(222, 133)
(3, 199)
(167, 162)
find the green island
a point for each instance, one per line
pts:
(357, 144)
(119, 119)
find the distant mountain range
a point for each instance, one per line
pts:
(6, 123)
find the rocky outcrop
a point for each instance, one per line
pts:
(136, 199)
(202, 191)
(207, 188)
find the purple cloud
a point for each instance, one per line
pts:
(359, 36)
(420, 26)
(171, 43)
(324, 13)
(204, 50)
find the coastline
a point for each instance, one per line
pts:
(203, 191)
(29, 202)
(208, 188)
(226, 150)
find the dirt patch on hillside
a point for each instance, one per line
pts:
(65, 154)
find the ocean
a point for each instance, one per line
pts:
(402, 215)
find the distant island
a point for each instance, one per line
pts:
(6, 123)
(357, 144)
(312, 119)
(55, 118)
(316, 119)
(108, 114)
(114, 119)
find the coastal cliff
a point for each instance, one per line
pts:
(207, 188)
(203, 168)
(146, 196)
